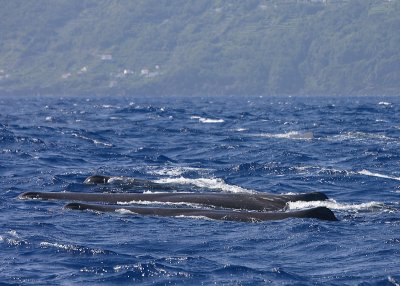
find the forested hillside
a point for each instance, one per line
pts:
(191, 47)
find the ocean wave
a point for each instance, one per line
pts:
(334, 205)
(378, 175)
(358, 135)
(207, 120)
(392, 280)
(353, 158)
(12, 238)
(136, 272)
(309, 170)
(95, 141)
(289, 135)
(241, 129)
(72, 248)
(213, 184)
(125, 211)
(176, 171)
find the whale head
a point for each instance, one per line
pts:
(97, 179)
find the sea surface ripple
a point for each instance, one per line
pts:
(345, 147)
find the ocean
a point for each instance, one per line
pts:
(347, 147)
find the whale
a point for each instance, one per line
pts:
(128, 182)
(321, 213)
(240, 201)
(97, 179)
(245, 207)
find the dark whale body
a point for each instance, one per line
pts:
(244, 201)
(321, 213)
(236, 206)
(269, 207)
(128, 182)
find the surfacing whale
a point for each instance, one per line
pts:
(128, 182)
(321, 213)
(240, 201)
(225, 206)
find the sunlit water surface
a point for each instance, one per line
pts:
(347, 148)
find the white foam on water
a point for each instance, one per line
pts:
(343, 172)
(119, 180)
(384, 103)
(368, 173)
(334, 171)
(210, 120)
(69, 247)
(177, 171)
(359, 136)
(207, 120)
(12, 238)
(241, 129)
(289, 135)
(95, 141)
(125, 211)
(393, 281)
(322, 170)
(214, 184)
(109, 106)
(60, 246)
(333, 205)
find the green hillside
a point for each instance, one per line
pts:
(191, 47)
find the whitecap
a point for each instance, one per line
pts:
(120, 180)
(289, 135)
(207, 120)
(332, 204)
(152, 203)
(95, 141)
(368, 173)
(241, 129)
(357, 135)
(333, 171)
(124, 211)
(70, 247)
(12, 238)
(46, 244)
(393, 281)
(177, 171)
(215, 184)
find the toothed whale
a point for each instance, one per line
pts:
(321, 213)
(243, 201)
(127, 182)
(246, 207)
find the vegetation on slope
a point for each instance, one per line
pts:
(190, 47)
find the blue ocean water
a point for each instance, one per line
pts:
(347, 148)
